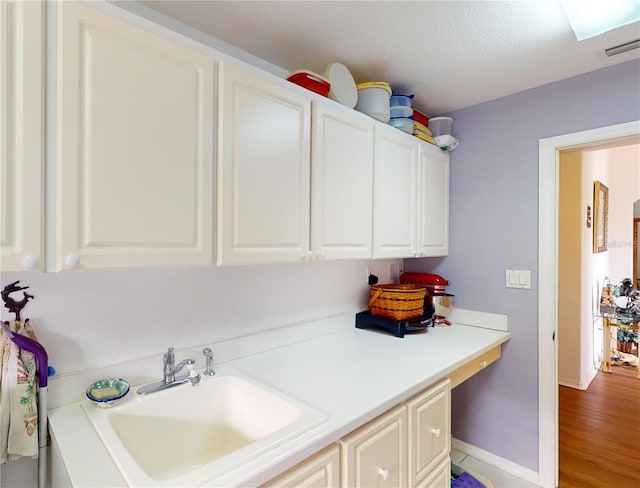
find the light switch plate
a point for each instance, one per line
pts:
(518, 278)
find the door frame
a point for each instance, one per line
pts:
(548, 196)
(636, 235)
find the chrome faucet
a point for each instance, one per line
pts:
(169, 374)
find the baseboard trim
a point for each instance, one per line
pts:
(495, 461)
(570, 384)
(581, 385)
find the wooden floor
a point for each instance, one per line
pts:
(600, 432)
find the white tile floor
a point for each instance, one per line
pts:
(499, 479)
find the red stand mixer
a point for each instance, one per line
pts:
(437, 303)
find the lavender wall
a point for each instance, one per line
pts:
(494, 227)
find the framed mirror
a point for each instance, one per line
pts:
(600, 216)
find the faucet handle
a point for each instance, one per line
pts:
(208, 354)
(194, 376)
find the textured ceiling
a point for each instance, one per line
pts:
(450, 54)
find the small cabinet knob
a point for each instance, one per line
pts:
(72, 261)
(384, 473)
(30, 262)
(483, 364)
(436, 431)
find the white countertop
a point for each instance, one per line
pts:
(351, 375)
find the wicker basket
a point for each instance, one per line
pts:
(398, 302)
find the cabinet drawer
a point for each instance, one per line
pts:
(319, 471)
(439, 478)
(429, 428)
(467, 370)
(375, 454)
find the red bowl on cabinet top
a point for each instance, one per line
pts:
(311, 81)
(420, 117)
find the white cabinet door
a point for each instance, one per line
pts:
(263, 170)
(433, 201)
(341, 176)
(394, 193)
(21, 135)
(134, 142)
(319, 471)
(375, 455)
(429, 431)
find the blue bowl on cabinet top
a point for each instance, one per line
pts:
(401, 100)
(403, 123)
(401, 111)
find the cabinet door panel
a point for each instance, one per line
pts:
(319, 471)
(429, 427)
(374, 455)
(21, 135)
(134, 138)
(342, 173)
(440, 477)
(433, 200)
(263, 170)
(394, 194)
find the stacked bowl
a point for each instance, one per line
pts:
(401, 113)
(441, 129)
(373, 100)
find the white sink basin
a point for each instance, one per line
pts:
(187, 435)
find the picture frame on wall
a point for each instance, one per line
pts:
(600, 216)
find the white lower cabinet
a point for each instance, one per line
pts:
(408, 446)
(440, 477)
(375, 454)
(430, 431)
(321, 470)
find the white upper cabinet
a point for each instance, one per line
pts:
(410, 197)
(433, 202)
(134, 145)
(263, 170)
(21, 135)
(341, 178)
(395, 202)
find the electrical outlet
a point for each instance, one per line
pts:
(373, 270)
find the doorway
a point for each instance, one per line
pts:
(548, 286)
